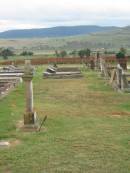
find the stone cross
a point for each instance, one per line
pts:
(30, 115)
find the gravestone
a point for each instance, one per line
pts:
(97, 61)
(30, 115)
(122, 62)
(119, 75)
(113, 76)
(103, 67)
(124, 82)
(92, 64)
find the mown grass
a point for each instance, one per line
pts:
(87, 130)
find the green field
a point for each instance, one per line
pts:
(87, 130)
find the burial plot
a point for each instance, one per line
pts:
(9, 77)
(62, 73)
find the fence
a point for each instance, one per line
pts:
(41, 61)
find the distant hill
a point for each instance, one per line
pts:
(62, 31)
(117, 38)
(109, 39)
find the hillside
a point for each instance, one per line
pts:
(53, 32)
(112, 40)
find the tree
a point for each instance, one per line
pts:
(63, 53)
(121, 53)
(81, 53)
(57, 53)
(87, 52)
(26, 53)
(73, 53)
(5, 53)
(84, 53)
(30, 53)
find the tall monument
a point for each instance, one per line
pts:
(29, 116)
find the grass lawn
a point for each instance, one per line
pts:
(87, 130)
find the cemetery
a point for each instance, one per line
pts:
(64, 86)
(69, 118)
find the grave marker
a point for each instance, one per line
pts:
(30, 115)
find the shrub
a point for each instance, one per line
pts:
(5, 53)
(84, 53)
(121, 53)
(26, 53)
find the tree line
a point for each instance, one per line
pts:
(81, 53)
(5, 53)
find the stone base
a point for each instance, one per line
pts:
(30, 118)
(30, 121)
(27, 127)
(30, 128)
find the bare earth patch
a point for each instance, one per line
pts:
(7, 171)
(120, 114)
(9, 143)
(15, 143)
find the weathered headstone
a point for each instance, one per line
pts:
(30, 115)
(122, 62)
(92, 64)
(97, 61)
(124, 82)
(119, 75)
(103, 67)
(113, 76)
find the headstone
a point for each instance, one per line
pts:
(30, 115)
(121, 78)
(123, 63)
(124, 82)
(97, 61)
(103, 67)
(92, 64)
(113, 76)
(119, 75)
(51, 70)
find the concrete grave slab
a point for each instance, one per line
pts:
(4, 144)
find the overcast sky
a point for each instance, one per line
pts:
(16, 14)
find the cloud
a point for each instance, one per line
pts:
(40, 13)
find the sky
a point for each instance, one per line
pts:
(24, 14)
